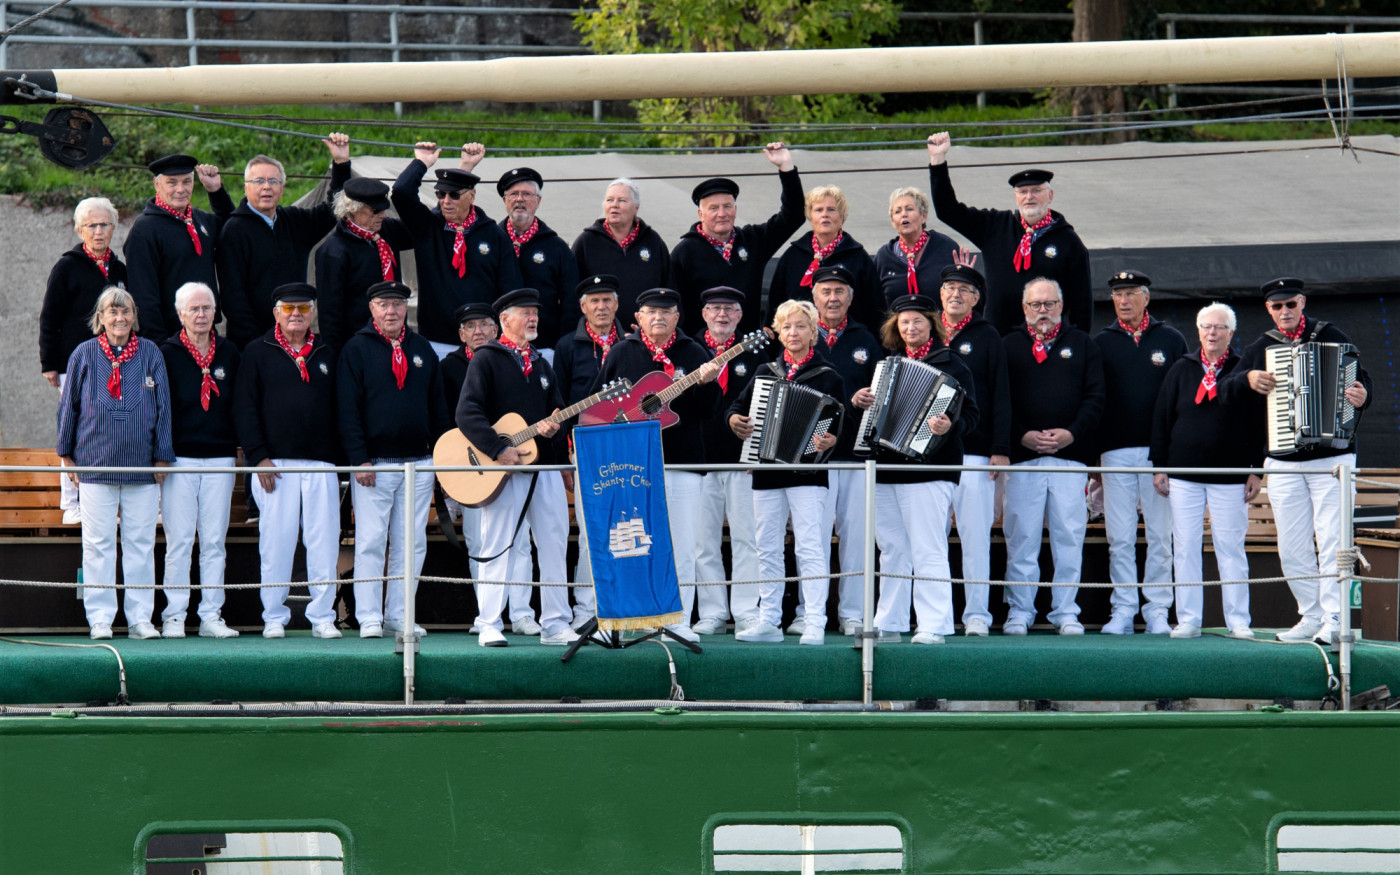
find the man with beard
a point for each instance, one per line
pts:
(546, 263)
(622, 245)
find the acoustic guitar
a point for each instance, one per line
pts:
(652, 395)
(479, 488)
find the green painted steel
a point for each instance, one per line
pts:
(546, 794)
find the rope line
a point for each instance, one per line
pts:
(38, 16)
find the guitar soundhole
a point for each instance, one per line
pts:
(472, 458)
(650, 405)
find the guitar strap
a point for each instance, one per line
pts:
(449, 528)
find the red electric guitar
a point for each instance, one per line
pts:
(651, 396)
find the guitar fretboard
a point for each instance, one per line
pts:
(566, 413)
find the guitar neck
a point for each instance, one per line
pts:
(558, 416)
(671, 392)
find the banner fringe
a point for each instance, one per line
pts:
(623, 624)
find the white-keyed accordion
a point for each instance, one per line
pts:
(908, 393)
(1307, 406)
(787, 418)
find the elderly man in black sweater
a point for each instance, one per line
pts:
(1057, 398)
(392, 411)
(622, 245)
(546, 263)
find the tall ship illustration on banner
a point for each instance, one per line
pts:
(629, 537)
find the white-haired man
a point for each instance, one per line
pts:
(622, 245)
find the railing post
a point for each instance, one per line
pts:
(396, 57)
(410, 573)
(867, 643)
(977, 37)
(1171, 89)
(1345, 545)
(4, 24)
(190, 35)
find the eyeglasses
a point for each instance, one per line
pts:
(98, 226)
(722, 308)
(1041, 306)
(1213, 327)
(295, 308)
(451, 195)
(262, 180)
(1291, 304)
(520, 196)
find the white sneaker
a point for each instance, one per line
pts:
(73, 517)
(397, 626)
(1120, 623)
(1187, 630)
(797, 626)
(580, 620)
(216, 628)
(683, 632)
(325, 630)
(1304, 631)
(815, 637)
(975, 628)
(926, 638)
(710, 626)
(141, 631)
(885, 636)
(371, 630)
(1327, 633)
(563, 636)
(525, 626)
(100, 632)
(489, 637)
(757, 631)
(274, 630)
(172, 629)
(1242, 632)
(1157, 625)
(1070, 627)
(474, 630)
(1013, 627)
(851, 625)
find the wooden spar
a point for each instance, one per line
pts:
(737, 74)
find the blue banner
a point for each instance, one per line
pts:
(620, 495)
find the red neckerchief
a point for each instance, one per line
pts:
(605, 342)
(819, 254)
(918, 354)
(114, 382)
(716, 347)
(1296, 336)
(459, 243)
(1207, 387)
(100, 260)
(1038, 350)
(792, 366)
(725, 247)
(467, 351)
(658, 353)
(524, 352)
(298, 355)
(386, 252)
(517, 240)
(187, 217)
(832, 335)
(954, 328)
(206, 385)
(398, 362)
(912, 253)
(1022, 259)
(631, 235)
(1136, 333)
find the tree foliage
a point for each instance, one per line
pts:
(621, 27)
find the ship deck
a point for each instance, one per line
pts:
(451, 667)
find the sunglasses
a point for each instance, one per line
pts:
(295, 308)
(1291, 304)
(453, 195)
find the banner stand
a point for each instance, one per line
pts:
(589, 634)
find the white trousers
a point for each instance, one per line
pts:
(380, 514)
(1229, 518)
(1035, 496)
(1308, 507)
(138, 504)
(548, 519)
(911, 525)
(1123, 494)
(683, 509)
(811, 538)
(726, 495)
(67, 489)
(974, 507)
(195, 504)
(309, 503)
(585, 598)
(845, 500)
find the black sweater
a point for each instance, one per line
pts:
(497, 385)
(255, 258)
(981, 349)
(160, 258)
(454, 375)
(1057, 253)
(378, 420)
(1252, 359)
(645, 265)
(346, 266)
(1133, 375)
(854, 357)
(815, 374)
(893, 268)
(1212, 434)
(950, 452)
(75, 284)
(491, 267)
(198, 433)
(683, 442)
(697, 266)
(577, 360)
(867, 304)
(281, 416)
(1066, 391)
(548, 266)
(721, 444)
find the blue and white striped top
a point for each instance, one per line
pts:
(96, 429)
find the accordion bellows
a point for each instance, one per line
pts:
(908, 394)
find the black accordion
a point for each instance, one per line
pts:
(908, 393)
(787, 418)
(1307, 406)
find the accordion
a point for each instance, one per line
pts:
(908, 394)
(787, 418)
(1307, 406)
